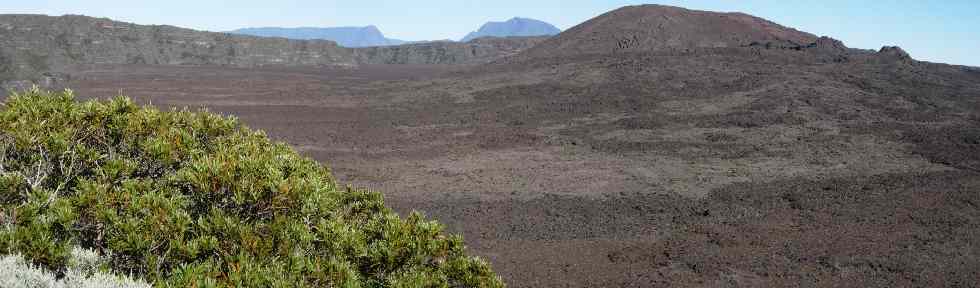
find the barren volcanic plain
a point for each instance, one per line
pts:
(650, 146)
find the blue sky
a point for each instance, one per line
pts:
(939, 31)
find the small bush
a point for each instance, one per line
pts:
(194, 199)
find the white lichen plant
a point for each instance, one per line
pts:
(82, 272)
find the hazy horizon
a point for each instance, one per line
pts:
(937, 32)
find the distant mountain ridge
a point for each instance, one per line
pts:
(44, 50)
(352, 37)
(514, 27)
(37, 46)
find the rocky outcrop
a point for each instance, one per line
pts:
(893, 53)
(480, 50)
(824, 48)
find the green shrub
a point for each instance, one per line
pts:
(194, 199)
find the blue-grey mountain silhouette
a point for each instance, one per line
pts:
(514, 27)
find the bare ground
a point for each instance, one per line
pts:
(648, 170)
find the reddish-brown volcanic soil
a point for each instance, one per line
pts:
(771, 163)
(656, 28)
(762, 180)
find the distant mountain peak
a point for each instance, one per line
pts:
(517, 26)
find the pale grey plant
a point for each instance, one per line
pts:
(83, 272)
(85, 260)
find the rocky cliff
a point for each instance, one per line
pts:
(368, 36)
(37, 46)
(43, 49)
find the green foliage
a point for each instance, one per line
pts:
(194, 199)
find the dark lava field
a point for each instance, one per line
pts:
(651, 146)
